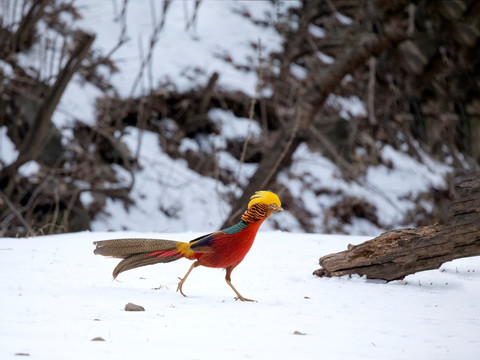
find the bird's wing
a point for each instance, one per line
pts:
(203, 244)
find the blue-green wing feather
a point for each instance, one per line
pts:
(235, 228)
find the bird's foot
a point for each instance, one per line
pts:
(241, 298)
(179, 287)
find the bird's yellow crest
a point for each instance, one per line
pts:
(265, 197)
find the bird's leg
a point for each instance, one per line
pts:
(182, 280)
(239, 296)
(229, 282)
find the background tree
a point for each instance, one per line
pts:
(413, 63)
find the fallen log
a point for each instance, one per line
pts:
(398, 253)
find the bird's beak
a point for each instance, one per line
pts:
(280, 209)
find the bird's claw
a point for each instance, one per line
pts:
(241, 298)
(179, 287)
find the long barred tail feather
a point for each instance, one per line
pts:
(138, 252)
(143, 259)
(120, 248)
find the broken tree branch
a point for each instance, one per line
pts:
(398, 253)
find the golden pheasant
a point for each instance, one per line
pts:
(221, 249)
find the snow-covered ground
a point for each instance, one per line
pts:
(57, 296)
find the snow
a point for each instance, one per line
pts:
(220, 29)
(8, 152)
(185, 52)
(58, 296)
(344, 20)
(298, 71)
(316, 182)
(317, 31)
(429, 173)
(325, 58)
(163, 191)
(30, 168)
(233, 127)
(349, 107)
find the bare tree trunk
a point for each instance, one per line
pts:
(281, 148)
(398, 253)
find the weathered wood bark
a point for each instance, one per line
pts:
(397, 253)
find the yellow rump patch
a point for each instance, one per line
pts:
(184, 248)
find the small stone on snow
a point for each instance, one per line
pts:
(134, 307)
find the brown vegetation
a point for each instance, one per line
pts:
(415, 65)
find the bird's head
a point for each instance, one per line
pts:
(268, 198)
